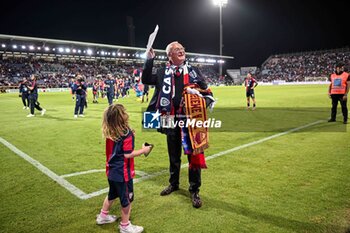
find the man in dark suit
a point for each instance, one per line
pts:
(178, 67)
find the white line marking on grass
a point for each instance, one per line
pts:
(97, 193)
(65, 184)
(83, 173)
(139, 173)
(137, 180)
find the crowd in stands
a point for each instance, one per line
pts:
(302, 66)
(56, 73)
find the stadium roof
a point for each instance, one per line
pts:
(12, 43)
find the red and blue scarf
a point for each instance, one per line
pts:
(166, 108)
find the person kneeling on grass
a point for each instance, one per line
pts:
(120, 171)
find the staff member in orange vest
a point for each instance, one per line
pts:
(338, 91)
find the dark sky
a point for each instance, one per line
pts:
(253, 29)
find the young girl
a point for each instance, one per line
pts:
(119, 166)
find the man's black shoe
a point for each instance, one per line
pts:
(331, 120)
(196, 200)
(169, 190)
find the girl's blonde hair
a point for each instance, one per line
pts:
(115, 123)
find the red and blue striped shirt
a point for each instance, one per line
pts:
(119, 168)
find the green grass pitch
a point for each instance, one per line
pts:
(295, 182)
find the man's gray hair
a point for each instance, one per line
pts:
(168, 48)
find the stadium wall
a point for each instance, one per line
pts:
(40, 90)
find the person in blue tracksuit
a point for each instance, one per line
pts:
(79, 89)
(110, 87)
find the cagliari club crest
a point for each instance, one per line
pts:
(164, 102)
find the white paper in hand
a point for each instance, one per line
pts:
(151, 39)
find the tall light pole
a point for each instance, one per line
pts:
(220, 4)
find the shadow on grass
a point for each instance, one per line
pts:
(58, 118)
(96, 109)
(51, 110)
(279, 221)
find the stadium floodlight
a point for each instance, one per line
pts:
(200, 60)
(220, 4)
(60, 50)
(14, 46)
(31, 47)
(67, 50)
(47, 48)
(109, 53)
(74, 50)
(23, 47)
(53, 49)
(79, 51)
(3, 45)
(102, 53)
(119, 54)
(39, 48)
(89, 51)
(113, 54)
(123, 54)
(137, 55)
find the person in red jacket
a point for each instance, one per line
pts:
(338, 92)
